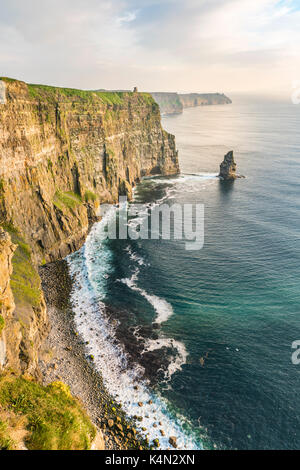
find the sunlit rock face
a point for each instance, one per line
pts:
(63, 153)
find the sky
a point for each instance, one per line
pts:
(250, 46)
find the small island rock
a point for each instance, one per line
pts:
(228, 167)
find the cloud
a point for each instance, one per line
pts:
(197, 45)
(128, 17)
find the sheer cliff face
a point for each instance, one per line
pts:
(169, 103)
(62, 152)
(6, 297)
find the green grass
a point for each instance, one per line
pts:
(148, 98)
(90, 196)
(112, 97)
(2, 324)
(45, 91)
(56, 421)
(50, 92)
(6, 443)
(67, 200)
(8, 80)
(25, 281)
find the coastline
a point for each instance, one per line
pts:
(63, 357)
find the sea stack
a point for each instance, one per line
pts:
(228, 167)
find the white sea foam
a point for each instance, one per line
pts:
(134, 257)
(163, 309)
(173, 186)
(89, 267)
(181, 352)
(183, 178)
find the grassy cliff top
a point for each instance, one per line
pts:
(111, 98)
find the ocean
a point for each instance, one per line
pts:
(197, 344)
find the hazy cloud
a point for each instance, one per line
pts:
(199, 45)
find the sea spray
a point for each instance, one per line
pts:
(89, 268)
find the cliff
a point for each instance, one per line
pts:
(174, 103)
(169, 103)
(208, 99)
(63, 152)
(7, 304)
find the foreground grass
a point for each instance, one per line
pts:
(55, 420)
(6, 442)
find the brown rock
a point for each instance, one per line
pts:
(173, 441)
(228, 167)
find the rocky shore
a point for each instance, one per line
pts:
(63, 357)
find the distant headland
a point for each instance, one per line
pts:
(174, 103)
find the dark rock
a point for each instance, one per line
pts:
(228, 167)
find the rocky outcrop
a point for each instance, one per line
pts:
(63, 152)
(228, 167)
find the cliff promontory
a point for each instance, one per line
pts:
(174, 103)
(63, 152)
(203, 99)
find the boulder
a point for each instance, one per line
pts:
(173, 441)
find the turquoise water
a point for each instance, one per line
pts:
(231, 309)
